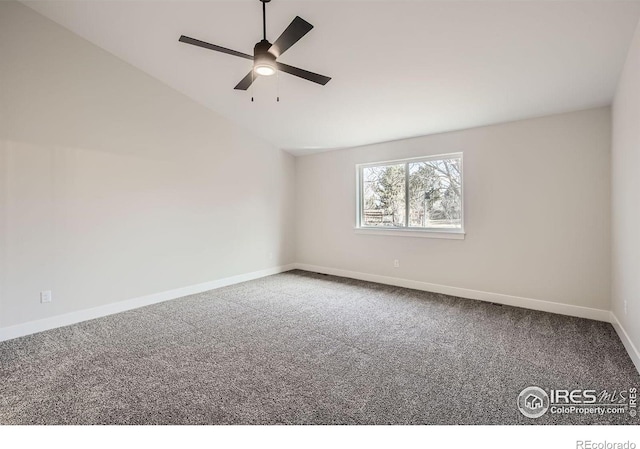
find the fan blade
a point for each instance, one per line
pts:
(246, 81)
(197, 43)
(310, 76)
(294, 32)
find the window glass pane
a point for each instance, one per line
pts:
(434, 194)
(383, 196)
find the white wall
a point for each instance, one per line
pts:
(626, 197)
(114, 186)
(536, 211)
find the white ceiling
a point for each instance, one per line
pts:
(400, 69)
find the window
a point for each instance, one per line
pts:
(422, 194)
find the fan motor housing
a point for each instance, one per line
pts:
(261, 51)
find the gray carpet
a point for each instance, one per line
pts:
(303, 348)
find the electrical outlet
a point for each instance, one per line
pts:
(45, 296)
(396, 263)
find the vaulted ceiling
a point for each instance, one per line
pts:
(399, 69)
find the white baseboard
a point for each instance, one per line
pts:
(626, 341)
(499, 298)
(32, 327)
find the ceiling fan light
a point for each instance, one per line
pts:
(264, 69)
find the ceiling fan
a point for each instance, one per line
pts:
(265, 54)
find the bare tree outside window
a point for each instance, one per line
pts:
(423, 193)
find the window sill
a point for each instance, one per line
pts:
(430, 234)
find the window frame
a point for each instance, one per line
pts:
(457, 233)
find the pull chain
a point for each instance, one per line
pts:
(278, 86)
(252, 79)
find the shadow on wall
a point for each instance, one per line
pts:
(115, 186)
